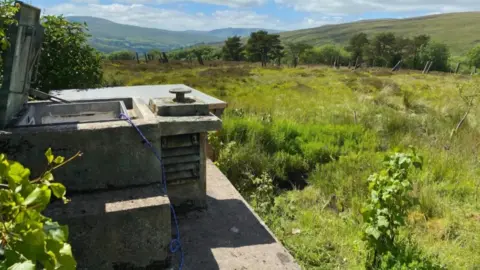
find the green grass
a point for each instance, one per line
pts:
(333, 128)
(457, 30)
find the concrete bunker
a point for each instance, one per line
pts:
(118, 209)
(119, 216)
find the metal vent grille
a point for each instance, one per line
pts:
(181, 158)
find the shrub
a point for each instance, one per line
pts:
(436, 52)
(122, 55)
(27, 238)
(7, 13)
(386, 211)
(66, 60)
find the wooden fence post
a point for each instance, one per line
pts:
(425, 68)
(200, 59)
(457, 68)
(165, 58)
(138, 60)
(146, 57)
(429, 66)
(397, 66)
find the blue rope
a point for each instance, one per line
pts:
(175, 245)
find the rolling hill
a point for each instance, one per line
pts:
(459, 31)
(108, 36)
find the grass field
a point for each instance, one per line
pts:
(332, 128)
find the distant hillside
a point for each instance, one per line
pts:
(242, 32)
(108, 36)
(460, 31)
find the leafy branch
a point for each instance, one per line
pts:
(389, 201)
(27, 238)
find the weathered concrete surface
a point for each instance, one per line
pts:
(143, 92)
(117, 229)
(25, 39)
(48, 113)
(113, 157)
(188, 124)
(168, 107)
(228, 235)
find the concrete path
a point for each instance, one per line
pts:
(229, 235)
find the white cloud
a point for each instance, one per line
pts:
(150, 16)
(309, 22)
(352, 7)
(86, 1)
(229, 3)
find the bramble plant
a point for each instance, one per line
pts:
(27, 238)
(389, 202)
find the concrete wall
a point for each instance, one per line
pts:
(112, 157)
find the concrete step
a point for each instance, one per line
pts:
(117, 229)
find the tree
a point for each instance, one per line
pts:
(155, 53)
(357, 45)
(436, 52)
(473, 56)
(261, 46)
(295, 50)
(233, 49)
(7, 14)
(419, 42)
(121, 55)
(382, 49)
(7, 18)
(66, 60)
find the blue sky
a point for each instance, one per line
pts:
(271, 14)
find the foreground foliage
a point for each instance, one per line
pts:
(386, 212)
(27, 238)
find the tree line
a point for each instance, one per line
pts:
(381, 50)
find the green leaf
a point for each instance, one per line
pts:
(55, 231)
(59, 160)
(49, 260)
(39, 198)
(49, 155)
(382, 221)
(16, 173)
(48, 176)
(373, 232)
(31, 244)
(26, 265)
(66, 259)
(58, 190)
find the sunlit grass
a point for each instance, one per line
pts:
(334, 127)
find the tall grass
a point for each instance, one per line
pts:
(329, 129)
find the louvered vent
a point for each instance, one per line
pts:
(181, 158)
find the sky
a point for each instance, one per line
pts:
(270, 14)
